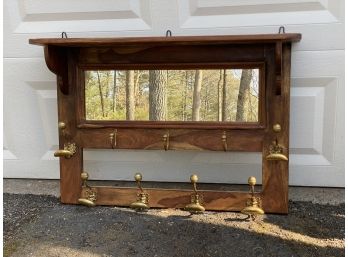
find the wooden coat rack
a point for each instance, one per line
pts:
(68, 58)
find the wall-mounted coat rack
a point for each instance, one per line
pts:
(167, 69)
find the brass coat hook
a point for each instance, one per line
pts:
(195, 207)
(165, 139)
(68, 151)
(88, 194)
(253, 204)
(113, 139)
(275, 149)
(276, 152)
(142, 202)
(224, 140)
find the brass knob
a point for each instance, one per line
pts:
(61, 125)
(84, 176)
(277, 128)
(252, 181)
(138, 177)
(194, 178)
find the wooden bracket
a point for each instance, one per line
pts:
(56, 60)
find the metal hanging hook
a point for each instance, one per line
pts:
(64, 35)
(168, 33)
(281, 30)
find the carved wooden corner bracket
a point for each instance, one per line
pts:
(56, 60)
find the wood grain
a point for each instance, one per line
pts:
(172, 198)
(70, 169)
(237, 140)
(275, 174)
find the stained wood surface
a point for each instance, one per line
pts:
(177, 40)
(56, 59)
(172, 198)
(179, 139)
(172, 57)
(275, 174)
(70, 169)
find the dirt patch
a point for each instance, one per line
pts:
(41, 226)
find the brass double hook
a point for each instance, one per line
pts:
(196, 205)
(67, 152)
(142, 202)
(88, 194)
(253, 204)
(113, 139)
(165, 139)
(224, 140)
(275, 149)
(69, 148)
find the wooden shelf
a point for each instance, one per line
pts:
(177, 40)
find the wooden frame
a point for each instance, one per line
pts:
(68, 58)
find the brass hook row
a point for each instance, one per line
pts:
(275, 149)
(196, 206)
(113, 139)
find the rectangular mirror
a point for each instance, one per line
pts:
(201, 95)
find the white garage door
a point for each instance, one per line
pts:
(317, 93)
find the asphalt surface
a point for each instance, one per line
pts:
(40, 226)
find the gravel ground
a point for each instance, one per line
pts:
(41, 226)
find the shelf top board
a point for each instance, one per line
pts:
(177, 40)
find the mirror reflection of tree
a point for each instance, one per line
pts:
(157, 95)
(130, 95)
(227, 95)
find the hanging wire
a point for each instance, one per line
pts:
(168, 33)
(281, 30)
(64, 35)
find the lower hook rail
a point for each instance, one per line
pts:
(195, 207)
(142, 202)
(88, 194)
(253, 204)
